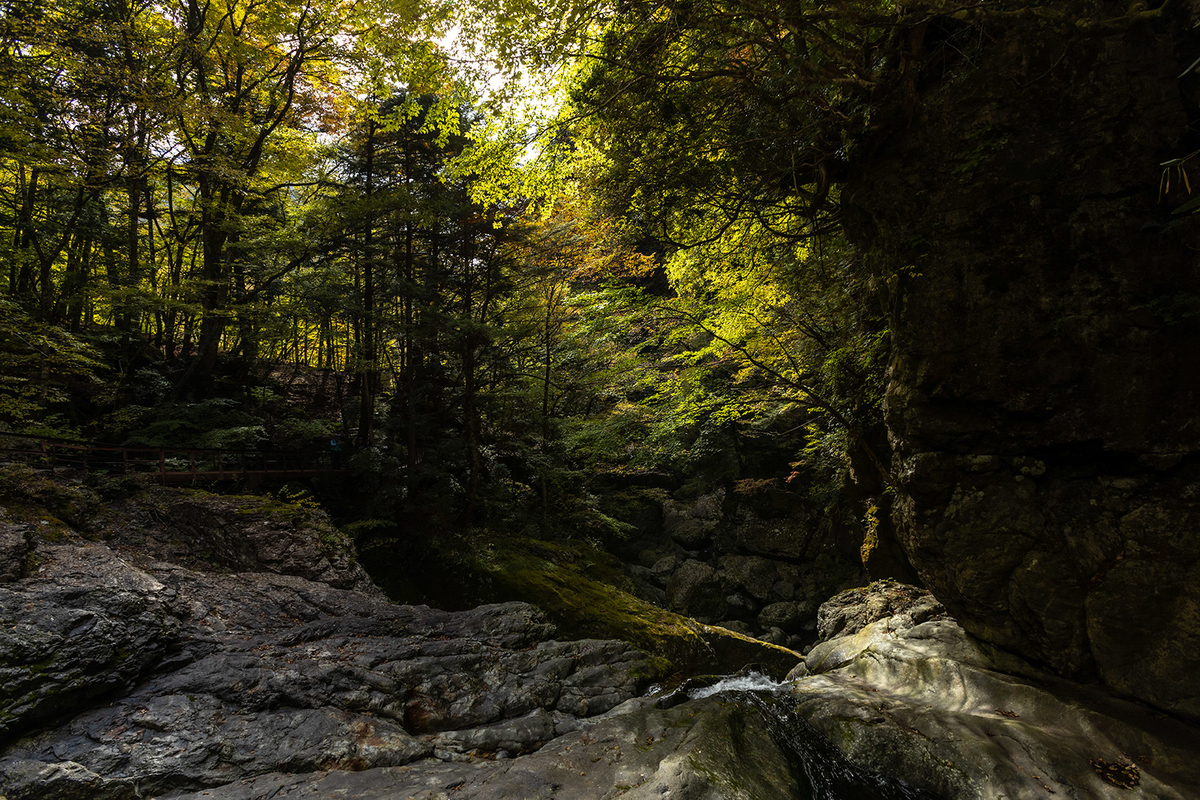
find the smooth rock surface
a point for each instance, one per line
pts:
(926, 703)
(703, 750)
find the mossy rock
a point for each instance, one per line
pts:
(580, 588)
(22, 487)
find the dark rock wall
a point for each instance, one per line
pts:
(1045, 307)
(755, 558)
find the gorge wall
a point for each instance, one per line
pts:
(1044, 303)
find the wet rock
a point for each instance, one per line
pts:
(515, 736)
(27, 780)
(703, 749)
(925, 702)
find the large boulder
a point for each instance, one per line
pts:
(93, 625)
(911, 695)
(692, 525)
(695, 590)
(1043, 303)
(237, 532)
(850, 611)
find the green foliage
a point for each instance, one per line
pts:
(113, 487)
(40, 364)
(297, 495)
(757, 330)
(297, 433)
(219, 423)
(484, 328)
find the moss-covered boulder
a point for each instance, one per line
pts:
(583, 590)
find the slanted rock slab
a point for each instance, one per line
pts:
(925, 702)
(705, 750)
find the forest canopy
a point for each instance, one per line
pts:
(495, 249)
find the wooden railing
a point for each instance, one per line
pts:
(169, 465)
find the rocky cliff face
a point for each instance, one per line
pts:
(1045, 309)
(754, 558)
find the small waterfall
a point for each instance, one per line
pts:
(750, 682)
(820, 768)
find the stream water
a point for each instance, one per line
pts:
(821, 770)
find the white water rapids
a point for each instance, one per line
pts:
(750, 682)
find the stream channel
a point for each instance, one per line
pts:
(821, 770)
